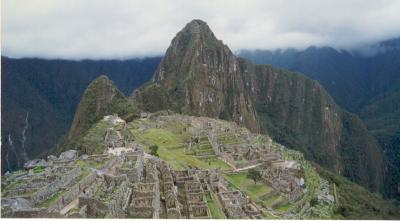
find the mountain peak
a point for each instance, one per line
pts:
(196, 74)
(196, 26)
(100, 98)
(195, 34)
(195, 46)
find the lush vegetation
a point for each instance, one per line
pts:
(368, 86)
(100, 98)
(298, 113)
(355, 202)
(92, 141)
(38, 169)
(254, 174)
(153, 150)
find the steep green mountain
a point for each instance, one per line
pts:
(199, 75)
(38, 94)
(100, 98)
(367, 84)
(299, 113)
(355, 202)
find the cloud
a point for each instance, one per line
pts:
(95, 29)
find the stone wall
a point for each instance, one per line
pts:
(94, 207)
(73, 192)
(35, 213)
(61, 182)
(119, 203)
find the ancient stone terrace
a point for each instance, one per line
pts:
(132, 166)
(194, 200)
(126, 182)
(170, 205)
(143, 200)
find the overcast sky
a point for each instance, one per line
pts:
(95, 29)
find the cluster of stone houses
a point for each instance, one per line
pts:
(125, 182)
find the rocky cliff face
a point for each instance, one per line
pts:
(200, 76)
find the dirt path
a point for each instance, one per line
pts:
(248, 167)
(70, 206)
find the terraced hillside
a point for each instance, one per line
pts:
(202, 170)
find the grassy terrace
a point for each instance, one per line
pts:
(93, 140)
(215, 209)
(230, 140)
(268, 202)
(171, 142)
(84, 164)
(10, 186)
(254, 191)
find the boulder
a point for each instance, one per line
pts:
(42, 163)
(34, 163)
(84, 157)
(52, 158)
(69, 155)
(16, 204)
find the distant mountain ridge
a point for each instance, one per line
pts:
(40, 96)
(368, 85)
(199, 75)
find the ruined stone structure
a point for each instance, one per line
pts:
(125, 182)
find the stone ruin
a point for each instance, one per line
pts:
(128, 183)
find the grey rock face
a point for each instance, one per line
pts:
(42, 163)
(34, 163)
(69, 155)
(16, 204)
(52, 158)
(84, 157)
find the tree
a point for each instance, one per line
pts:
(254, 174)
(153, 150)
(313, 201)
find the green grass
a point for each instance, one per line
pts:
(171, 149)
(285, 207)
(254, 191)
(215, 209)
(268, 202)
(38, 169)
